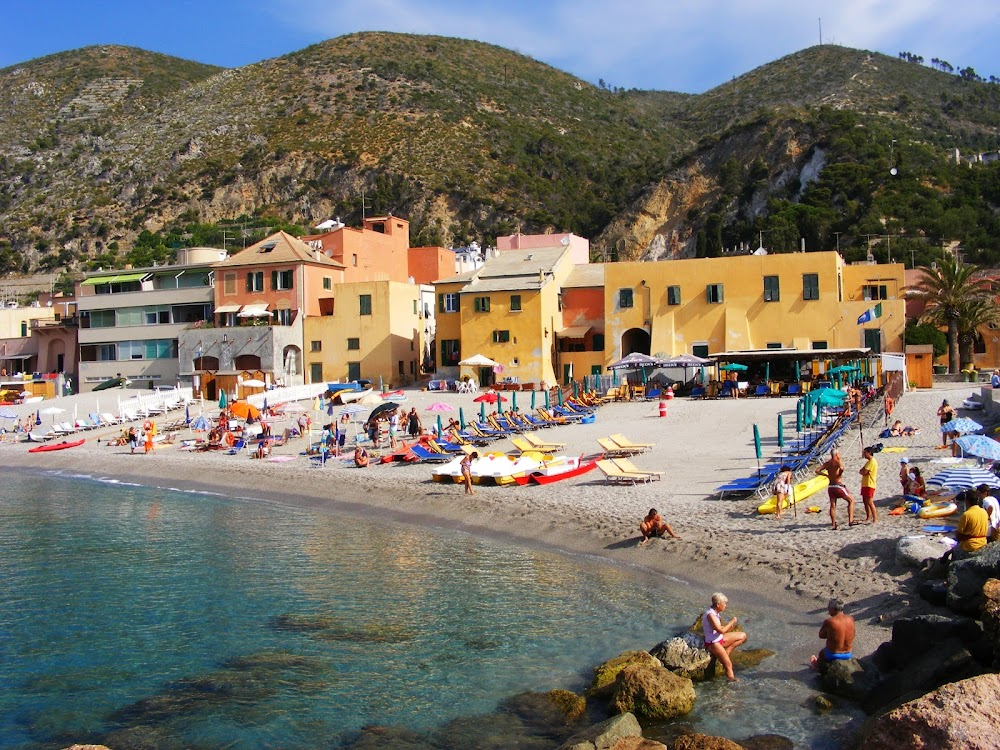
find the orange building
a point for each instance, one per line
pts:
(428, 264)
(376, 252)
(580, 341)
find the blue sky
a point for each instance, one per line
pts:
(677, 45)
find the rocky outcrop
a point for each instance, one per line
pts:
(966, 579)
(850, 679)
(606, 674)
(914, 551)
(991, 617)
(605, 735)
(685, 656)
(542, 711)
(704, 742)
(652, 692)
(957, 716)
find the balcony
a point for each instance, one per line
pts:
(68, 321)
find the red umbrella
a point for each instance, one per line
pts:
(490, 397)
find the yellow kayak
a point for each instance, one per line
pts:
(799, 492)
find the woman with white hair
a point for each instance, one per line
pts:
(719, 639)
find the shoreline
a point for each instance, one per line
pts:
(790, 565)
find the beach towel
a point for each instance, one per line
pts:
(894, 449)
(280, 459)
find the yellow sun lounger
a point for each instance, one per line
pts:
(543, 444)
(626, 465)
(613, 450)
(624, 442)
(524, 446)
(615, 475)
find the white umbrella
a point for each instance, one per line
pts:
(293, 408)
(253, 383)
(52, 411)
(478, 360)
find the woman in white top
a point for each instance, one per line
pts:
(719, 639)
(783, 490)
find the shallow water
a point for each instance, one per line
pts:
(237, 623)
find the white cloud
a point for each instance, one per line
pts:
(681, 45)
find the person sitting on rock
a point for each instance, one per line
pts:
(720, 641)
(838, 629)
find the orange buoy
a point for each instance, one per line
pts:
(669, 393)
(663, 408)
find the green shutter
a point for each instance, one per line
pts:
(440, 303)
(274, 280)
(250, 282)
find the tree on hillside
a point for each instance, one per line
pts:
(949, 290)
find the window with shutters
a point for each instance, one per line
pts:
(810, 286)
(255, 281)
(365, 304)
(481, 304)
(673, 295)
(353, 344)
(281, 280)
(229, 284)
(448, 303)
(501, 337)
(713, 294)
(515, 303)
(771, 293)
(625, 298)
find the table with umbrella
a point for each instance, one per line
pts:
(637, 361)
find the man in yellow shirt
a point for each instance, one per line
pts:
(869, 476)
(973, 526)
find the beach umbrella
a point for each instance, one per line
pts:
(38, 417)
(490, 397)
(559, 396)
(461, 418)
(222, 399)
(546, 398)
(798, 371)
(440, 427)
(963, 478)
(51, 411)
(962, 424)
(352, 409)
(381, 409)
(265, 402)
(798, 415)
(440, 406)
(830, 397)
(7, 414)
(513, 400)
(734, 366)
(500, 400)
(756, 445)
(187, 414)
(482, 412)
(767, 372)
(532, 400)
(781, 431)
(980, 445)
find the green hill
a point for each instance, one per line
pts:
(108, 149)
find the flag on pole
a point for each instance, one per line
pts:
(870, 315)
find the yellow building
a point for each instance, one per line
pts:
(509, 311)
(796, 301)
(371, 329)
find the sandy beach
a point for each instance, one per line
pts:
(794, 563)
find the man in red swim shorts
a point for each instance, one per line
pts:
(834, 469)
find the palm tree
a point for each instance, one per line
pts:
(977, 313)
(949, 289)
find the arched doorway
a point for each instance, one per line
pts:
(291, 365)
(635, 340)
(247, 362)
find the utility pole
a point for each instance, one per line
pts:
(821, 31)
(364, 204)
(837, 234)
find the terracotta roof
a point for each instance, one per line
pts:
(279, 248)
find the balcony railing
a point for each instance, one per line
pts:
(68, 321)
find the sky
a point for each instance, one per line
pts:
(672, 45)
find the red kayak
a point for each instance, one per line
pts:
(56, 446)
(556, 472)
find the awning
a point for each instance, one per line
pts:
(17, 356)
(254, 311)
(574, 332)
(228, 308)
(118, 278)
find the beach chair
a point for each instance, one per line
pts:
(238, 446)
(698, 391)
(543, 444)
(614, 474)
(108, 419)
(550, 418)
(611, 449)
(39, 437)
(761, 390)
(426, 454)
(793, 389)
(626, 465)
(443, 446)
(523, 446)
(624, 442)
(63, 428)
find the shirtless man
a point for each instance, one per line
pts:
(654, 525)
(838, 629)
(834, 469)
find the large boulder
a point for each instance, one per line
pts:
(956, 716)
(685, 656)
(850, 678)
(652, 692)
(547, 714)
(605, 735)
(991, 617)
(966, 579)
(924, 633)
(915, 550)
(948, 661)
(606, 673)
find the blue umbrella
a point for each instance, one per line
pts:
(980, 445)
(963, 478)
(187, 414)
(38, 417)
(962, 424)
(265, 402)
(7, 414)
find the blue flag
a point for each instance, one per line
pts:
(869, 315)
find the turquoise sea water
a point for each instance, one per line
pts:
(134, 615)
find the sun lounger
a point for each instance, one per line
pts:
(39, 437)
(425, 454)
(698, 391)
(611, 449)
(539, 443)
(549, 417)
(761, 390)
(624, 442)
(614, 474)
(627, 466)
(523, 445)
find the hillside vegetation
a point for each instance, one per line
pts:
(111, 155)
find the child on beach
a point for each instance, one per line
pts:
(466, 467)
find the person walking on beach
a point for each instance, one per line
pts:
(133, 439)
(838, 630)
(466, 467)
(393, 428)
(946, 413)
(413, 423)
(783, 490)
(869, 477)
(720, 641)
(834, 469)
(654, 525)
(890, 405)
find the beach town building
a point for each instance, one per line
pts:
(373, 330)
(378, 250)
(18, 349)
(796, 301)
(579, 345)
(57, 341)
(509, 311)
(262, 294)
(130, 320)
